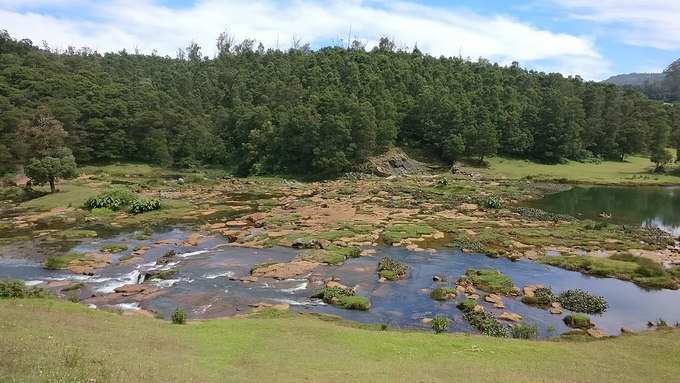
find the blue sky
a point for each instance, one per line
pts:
(588, 38)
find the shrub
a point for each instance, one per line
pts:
(144, 204)
(489, 280)
(492, 202)
(443, 293)
(179, 316)
(582, 301)
(578, 321)
(544, 296)
(440, 324)
(524, 331)
(113, 199)
(486, 324)
(391, 269)
(11, 288)
(467, 305)
(343, 297)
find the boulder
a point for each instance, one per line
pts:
(285, 270)
(627, 330)
(596, 332)
(508, 316)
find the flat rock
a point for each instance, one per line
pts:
(508, 316)
(596, 332)
(285, 270)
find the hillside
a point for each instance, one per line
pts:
(635, 79)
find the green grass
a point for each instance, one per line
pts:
(60, 341)
(333, 255)
(641, 271)
(443, 293)
(114, 248)
(634, 170)
(398, 232)
(69, 195)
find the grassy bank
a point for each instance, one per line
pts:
(48, 340)
(633, 171)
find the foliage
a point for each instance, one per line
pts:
(481, 320)
(50, 168)
(492, 202)
(524, 331)
(440, 324)
(113, 199)
(144, 205)
(179, 316)
(61, 261)
(10, 288)
(489, 280)
(355, 302)
(443, 293)
(582, 301)
(311, 112)
(578, 321)
(114, 248)
(544, 296)
(343, 297)
(391, 270)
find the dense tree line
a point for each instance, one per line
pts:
(321, 112)
(667, 89)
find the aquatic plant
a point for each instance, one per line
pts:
(113, 199)
(344, 298)
(440, 324)
(144, 205)
(11, 288)
(579, 321)
(391, 269)
(179, 316)
(481, 320)
(443, 293)
(582, 301)
(489, 280)
(524, 331)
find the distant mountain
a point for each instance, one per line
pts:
(636, 79)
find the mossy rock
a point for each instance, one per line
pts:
(160, 274)
(391, 269)
(578, 321)
(113, 248)
(443, 293)
(61, 262)
(489, 280)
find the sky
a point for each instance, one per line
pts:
(592, 39)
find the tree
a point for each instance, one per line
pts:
(485, 142)
(60, 164)
(48, 158)
(660, 139)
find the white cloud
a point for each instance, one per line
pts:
(116, 24)
(649, 23)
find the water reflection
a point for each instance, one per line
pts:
(647, 206)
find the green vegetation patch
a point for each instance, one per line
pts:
(524, 331)
(440, 324)
(543, 297)
(10, 288)
(60, 262)
(443, 293)
(344, 298)
(333, 255)
(579, 321)
(482, 321)
(144, 205)
(396, 233)
(114, 248)
(489, 280)
(391, 270)
(641, 271)
(582, 301)
(113, 199)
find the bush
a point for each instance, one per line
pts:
(578, 321)
(440, 324)
(11, 288)
(355, 302)
(391, 269)
(544, 296)
(467, 305)
(443, 293)
(492, 202)
(144, 204)
(524, 331)
(113, 199)
(582, 301)
(344, 298)
(486, 324)
(179, 316)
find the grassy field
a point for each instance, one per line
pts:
(632, 171)
(49, 340)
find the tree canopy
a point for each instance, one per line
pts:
(312, 112)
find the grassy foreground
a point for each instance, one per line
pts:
(50, 340)
(633, 171)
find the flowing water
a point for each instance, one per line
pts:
(647, 206)
(208, 284)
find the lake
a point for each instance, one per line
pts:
(646, 206)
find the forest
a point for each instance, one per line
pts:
(321, 112)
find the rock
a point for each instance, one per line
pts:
(193, 240)
(627, 330)
(468, 206)
(128, 290)
(331, 284)
(438, 235)
(300, 243)
(555, 310)
(529, 290)
(426, 320)
(508, 316)
(437, 278)
(596, 332)
(248, 279)
(237, 223)
(285, 270)
(472, 296)
(368, 252)
(478, 308)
